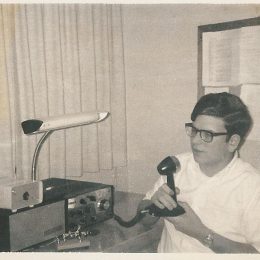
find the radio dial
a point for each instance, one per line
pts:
(26, 195)
(103, 204)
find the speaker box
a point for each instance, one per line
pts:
(30, 226)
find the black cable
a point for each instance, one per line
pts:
(139, 215)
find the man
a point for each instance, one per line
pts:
(219, 192)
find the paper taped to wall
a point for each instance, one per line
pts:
(250, 94)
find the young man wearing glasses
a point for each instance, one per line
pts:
(219, 191)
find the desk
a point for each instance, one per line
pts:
(114, 238)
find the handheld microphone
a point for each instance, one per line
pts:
(169, 166)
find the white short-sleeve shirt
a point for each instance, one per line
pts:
(227, 203)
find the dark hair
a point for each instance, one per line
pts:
(230, 108)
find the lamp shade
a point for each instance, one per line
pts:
(35, 126)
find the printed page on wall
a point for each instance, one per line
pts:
(250, 94)
(250, 55)
(220, 58)
(231, 57)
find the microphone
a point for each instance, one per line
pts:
(168, 166)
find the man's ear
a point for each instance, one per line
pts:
(233, 142)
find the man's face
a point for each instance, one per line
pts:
(215, 154)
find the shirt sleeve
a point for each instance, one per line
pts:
(251, 221)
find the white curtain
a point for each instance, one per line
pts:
(60, 59)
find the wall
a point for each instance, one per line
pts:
(160, 44)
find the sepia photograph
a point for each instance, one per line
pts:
(130, 128)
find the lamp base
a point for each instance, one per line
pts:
(18, 194)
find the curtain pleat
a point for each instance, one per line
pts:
(101, 34)
(67, 58)
(24, 86)
(88, 81)
(118, 105)
(54, 72)
(7, 158)
(37, 63)
(71, 85)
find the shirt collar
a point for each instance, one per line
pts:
(229, 165)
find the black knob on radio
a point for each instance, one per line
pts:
(82, 201)
(26, 195)
(91, 198)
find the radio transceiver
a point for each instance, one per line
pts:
(86, 203)
(66, 204)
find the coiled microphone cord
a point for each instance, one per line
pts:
(139, 215)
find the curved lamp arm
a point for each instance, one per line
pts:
(37, 152)
(51, 124)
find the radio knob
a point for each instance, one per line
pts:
(26, 195)
(82, 201)
(103, 204)
(91, 198)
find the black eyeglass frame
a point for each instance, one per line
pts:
(211, 134)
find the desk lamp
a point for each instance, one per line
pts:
(48, 125)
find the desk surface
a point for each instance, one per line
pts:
(114, 238)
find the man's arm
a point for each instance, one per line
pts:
(221, 244)
(190, 224)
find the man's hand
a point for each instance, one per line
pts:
(148, 220)
(189, 223)
(163, 197)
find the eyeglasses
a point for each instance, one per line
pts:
(205, 135)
